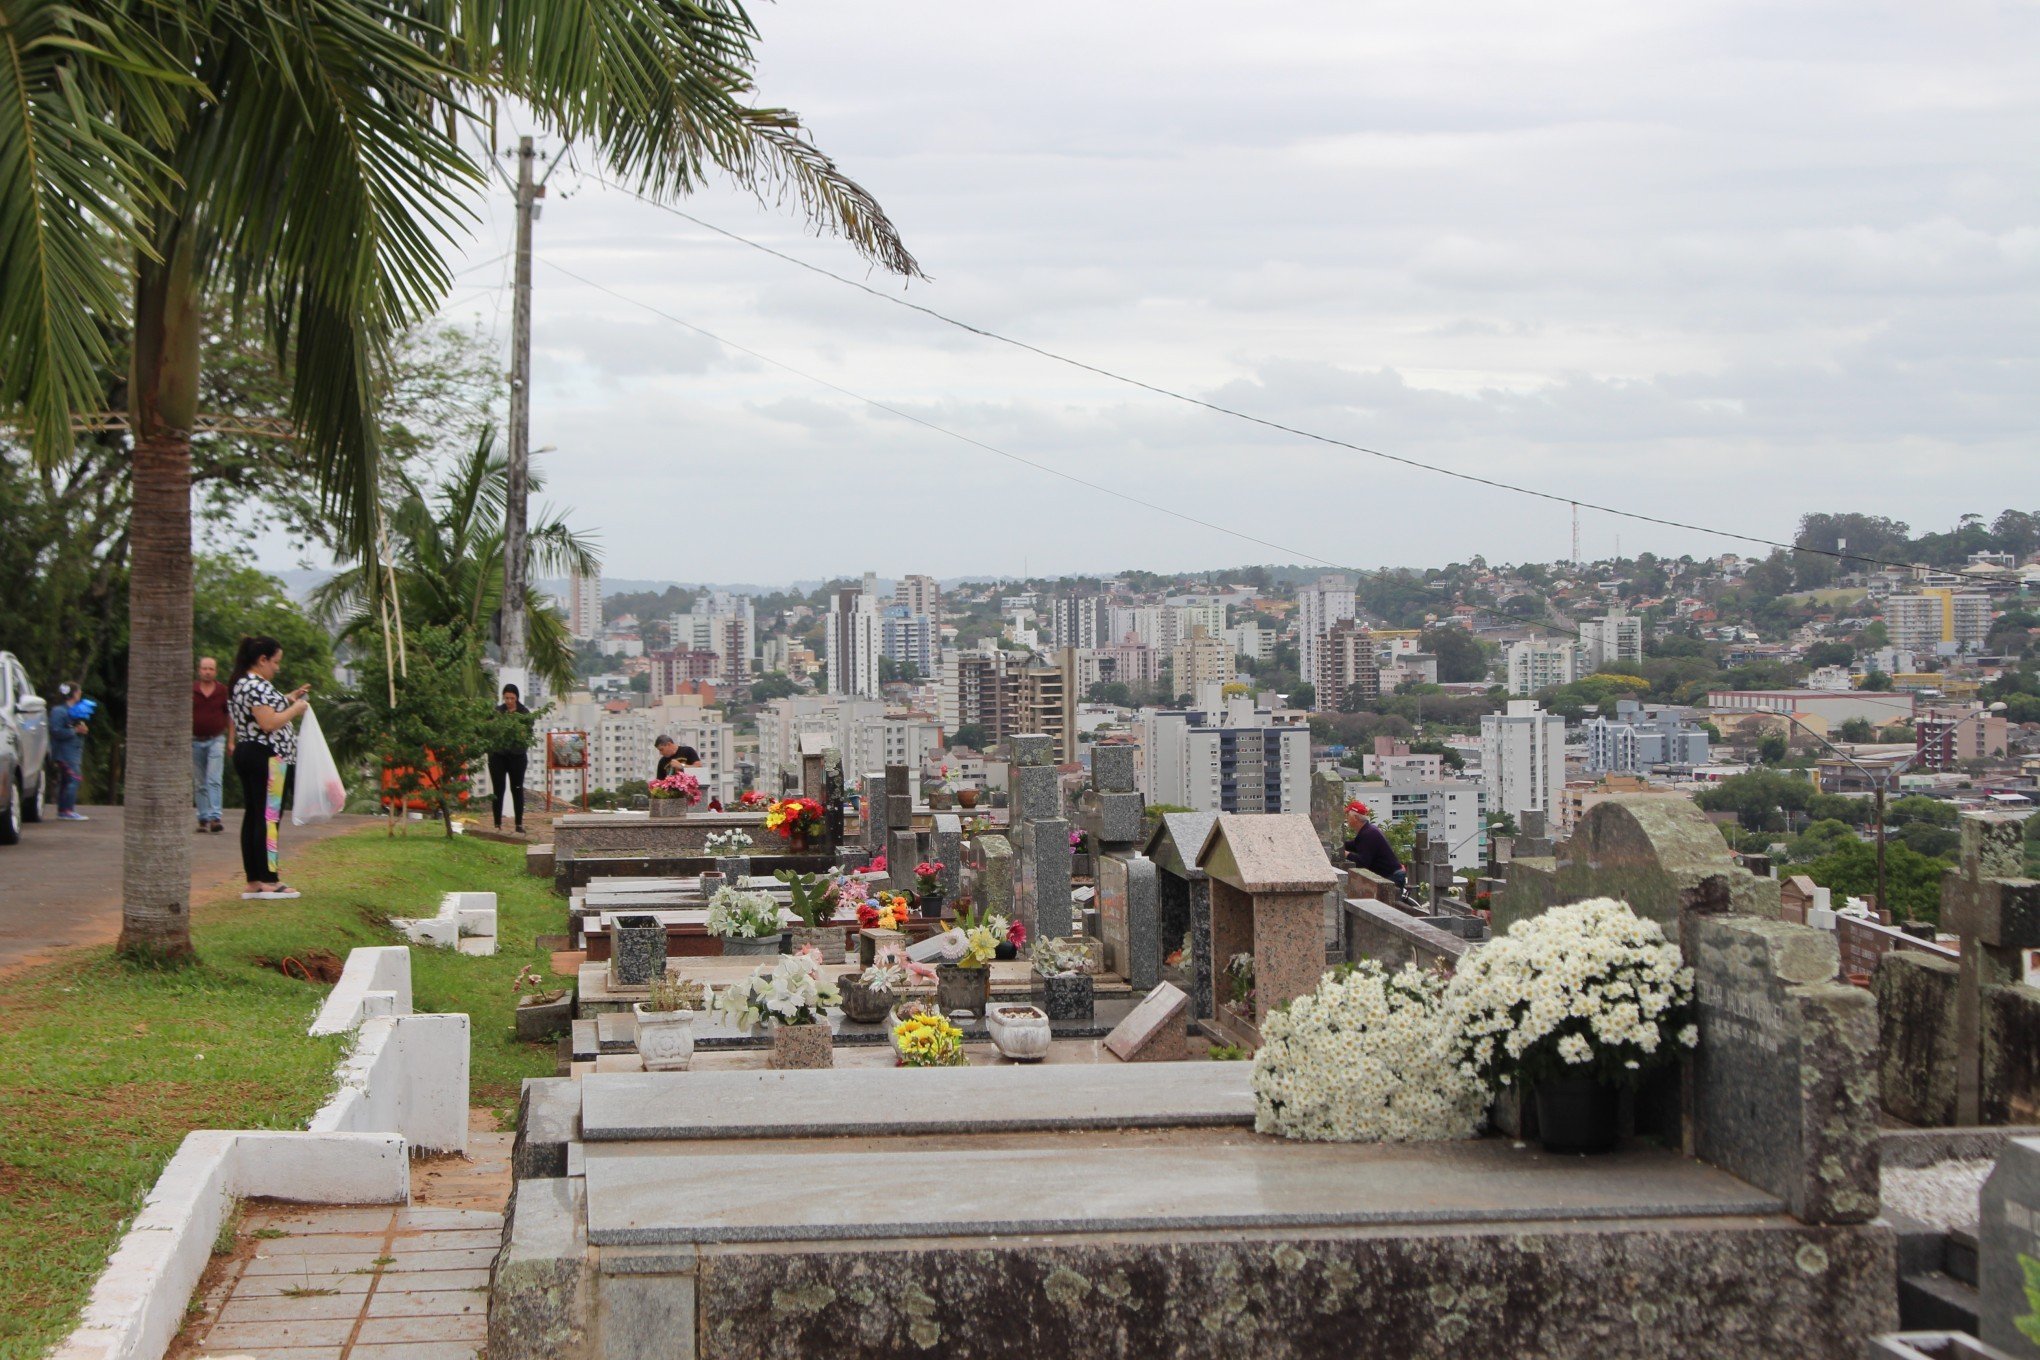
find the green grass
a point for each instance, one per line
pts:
(105, 1067)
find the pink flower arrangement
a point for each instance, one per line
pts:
(678, 784)
(1016, 935)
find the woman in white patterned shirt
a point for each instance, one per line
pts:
(265, 750)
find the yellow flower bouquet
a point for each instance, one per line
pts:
(927, 1040)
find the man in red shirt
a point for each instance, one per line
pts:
(212, 739)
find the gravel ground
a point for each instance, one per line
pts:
(1942, 1195)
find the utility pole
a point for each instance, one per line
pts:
(511, 616)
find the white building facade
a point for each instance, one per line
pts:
(1522, 759)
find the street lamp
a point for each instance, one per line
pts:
(1880, 783)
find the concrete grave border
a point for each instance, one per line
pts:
(402, 1086)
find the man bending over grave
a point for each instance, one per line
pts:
(673, 756)
(1368, 847)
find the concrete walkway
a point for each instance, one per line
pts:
(60, 887)
(375, 1283)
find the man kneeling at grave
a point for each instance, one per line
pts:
(1368, 847)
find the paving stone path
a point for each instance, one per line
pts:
(382, 1282)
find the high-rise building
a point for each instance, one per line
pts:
(1522, 759)
(620, 741)
(1008, 692)
(863, 731)
(1614, 639)
(672, 670)
(1348, 667)
(1080, 621)
(852, 641)
(1234, 758)
(909, 639)
(1542, 663)
(1944, 736)
(1318, 606)
(920, 595)
(1202, 659)
(1944, 621)
(584, 606)
(1448, 810)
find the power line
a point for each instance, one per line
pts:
(994, 449)
(1496, 483)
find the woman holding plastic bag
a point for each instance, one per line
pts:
(265, 751)
(319, 793)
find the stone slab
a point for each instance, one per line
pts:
(1030, 749)
(1112, 768)
(696, 1105)
(647, 1194)
(2007, 1236)
(1154, 1032)
(995, 875)
(1036, 793)
(896, 783)
(1042, 899)
(1115, 818)
(903, 852)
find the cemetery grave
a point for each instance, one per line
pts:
(1116, 1192)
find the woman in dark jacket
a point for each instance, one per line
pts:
(509, 754)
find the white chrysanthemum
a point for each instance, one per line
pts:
(1578, 984)
(1363, 1059)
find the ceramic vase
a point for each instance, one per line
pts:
(735, 945)
(665, 1039)
(1019, 1032)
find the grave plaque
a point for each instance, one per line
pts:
(1112, 769)
(995, 875)
(1036, 794)
(903, 852)
(945, 846)
(1128, 918)
(2008, 1244)
(873, 814)
(1784, 1082)
(1032, 749)
(1153, 1030)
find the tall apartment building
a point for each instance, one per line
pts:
(673, 669)
(620, 739)
(1946, 735)
(1010, 692)
(1255, 641)
(1080, 621)
(852, 640)
(1327, 601)
(1202, 659)
(867, 736)
(1448, 810)
(1638, 739)
(1541, 663)
(1928, 621)
(1192, 614)
(1237, 758)
(1522, 759)
(584, 606)
(919, 595)
(909, 639)
(1615, 639)
(1348, 667)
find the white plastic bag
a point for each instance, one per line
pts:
(320, 793)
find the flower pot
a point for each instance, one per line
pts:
(637, 950)
(710, 882)
(796, 842)
(966, 798)
(1067, 996)
(665, 1039)
(735, 868)
(538, 1019)
(734, 945)
(828, 939)
(962, 989)
(1006, 952)
(929, 901)
(865, 1005)
(1019, 1032)
(940, 800)
(802, 1046)
(1577, 1114)
(670, 807)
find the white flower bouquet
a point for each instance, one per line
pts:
(1590, 989)
(791, 992)
(725, 844)
(742, 915)
(1364, 1058)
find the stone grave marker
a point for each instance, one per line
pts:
(637, 950)
(995, 875)
(1036, 793)
(1042, 897)
(1997, 914)
(1152, 1031)
(1128, 918)
(2008, 1244)
(945, 845)
(1112, 768)
(1185, 896)
(1269, 876)
(1784, 1082)
(1031, 748)
(903, 852)
(873, 825)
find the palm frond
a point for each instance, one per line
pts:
(78, 91)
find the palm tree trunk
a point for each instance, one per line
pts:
(162, 407)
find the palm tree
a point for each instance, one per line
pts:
(304, 159)
(446, 547)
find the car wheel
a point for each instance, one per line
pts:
(31, 803)
(10, 816)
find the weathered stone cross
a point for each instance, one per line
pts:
(1997, 914)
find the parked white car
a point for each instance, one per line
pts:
(24, 749)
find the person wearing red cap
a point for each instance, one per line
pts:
(1368, 847)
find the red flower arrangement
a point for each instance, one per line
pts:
(928, 872)
(751, 798)
(792, 817)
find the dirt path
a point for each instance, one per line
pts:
(60, 887)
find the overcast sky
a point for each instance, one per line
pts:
(1721, 262)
